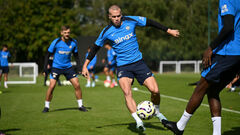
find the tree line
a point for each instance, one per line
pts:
(29, 26)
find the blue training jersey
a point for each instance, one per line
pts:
(123, 39)
(231, 46)
(93, 61)
(62, 53)
(111, 55)
(4, 58)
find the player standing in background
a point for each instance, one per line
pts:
(121, 34)
(61, 49)
(91, 69)
(110, 67)
(4, 56)
(221, 62)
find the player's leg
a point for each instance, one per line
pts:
(5, 74)
(89, 79)
(113, 79)
(1, 72)
(125, 84)
(93, 79)
(193, 104)
(78, 93)
(107, 82)
(49, 95)
(152, 86)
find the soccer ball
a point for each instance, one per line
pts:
(145, 110)
(107, 83)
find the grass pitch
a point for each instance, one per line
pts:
(22, 105)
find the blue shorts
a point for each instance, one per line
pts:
(69, 73)
(4, 69)
(223, 69)
(138, 69)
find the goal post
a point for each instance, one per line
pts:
(180, 66)
(22, 73)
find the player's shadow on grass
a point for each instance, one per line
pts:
(132, 126)
(70, 108)
(233, 131)
(5, 131)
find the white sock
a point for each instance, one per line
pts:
(158, 114)
(113, 80)
(108, 78)
(181, 124)
(216, 125)
(79, 102)
(47, 104)
(88, 82)
(135, 116)
(5, 83)
(157, 109)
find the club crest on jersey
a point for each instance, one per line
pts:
(224, 8)
(127, 28)
(70, 46)
(121, 39)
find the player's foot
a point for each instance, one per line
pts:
(93, 84)
(107, 83)
(116, 84)
(160, 116)
(112, 85)
(87, 85)
(140, 127)
(5, 86)
(45, 110)
(84, 109)
(172, 126)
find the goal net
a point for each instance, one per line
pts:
(22, 73)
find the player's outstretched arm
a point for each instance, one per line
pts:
(157, 25)
(174, 33)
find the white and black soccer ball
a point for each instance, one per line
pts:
(145, 110)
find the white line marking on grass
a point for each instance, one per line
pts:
(184, 100)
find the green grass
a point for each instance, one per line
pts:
(22, 105)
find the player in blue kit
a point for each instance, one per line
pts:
(121, 35)
(61, 49)
(4, 56)
(221, 62)
(110, 67)
(91, 69)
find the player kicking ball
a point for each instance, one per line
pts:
(61, 49)
(121, 34)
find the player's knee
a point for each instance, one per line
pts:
(154, 90)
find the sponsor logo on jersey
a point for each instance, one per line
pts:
(64, 52)
(127, 28)
(121, 39)
(141, 18)
(224, 8)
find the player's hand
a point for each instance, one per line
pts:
(174, 33)
(207, 56)
(85, 72)
(44, 73)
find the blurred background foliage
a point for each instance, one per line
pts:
(29, 26)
